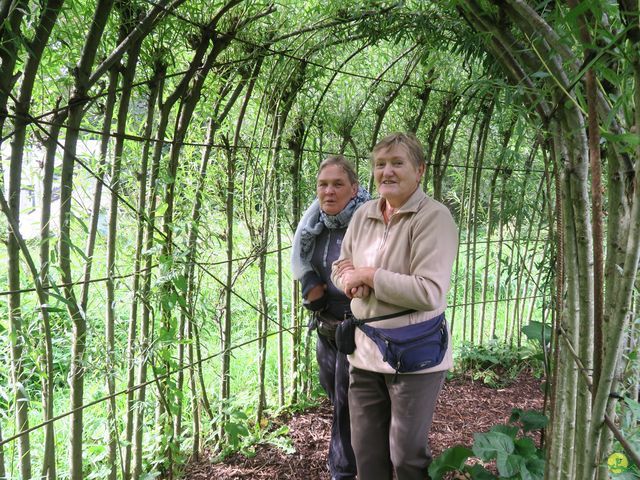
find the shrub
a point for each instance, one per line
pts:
(515, 454)
(497, 363)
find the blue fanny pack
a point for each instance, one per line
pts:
(413, 347)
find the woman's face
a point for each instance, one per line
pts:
(396, 176)
(334, 189)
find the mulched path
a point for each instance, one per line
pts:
(464, 407)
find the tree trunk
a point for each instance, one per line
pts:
(569, 376)
(438, 157)
(10, 38)
(555, 431)
(478, 164)
(279, 295)
(578, 178)
(225, 374)
(159, 71)
(296, 210)
(22, 115)
(624, 290)
(188, 102)
(145, 341)
(129, 18)
(51, 145)
(77, 316)
(14, 228)
(423, 97)
(8, 56)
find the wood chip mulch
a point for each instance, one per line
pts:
(464, 408)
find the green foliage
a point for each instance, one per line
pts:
(539, 332)
(452, 459)
(242, 435)
(516, 456)
(496, 363)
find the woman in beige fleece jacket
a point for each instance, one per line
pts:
(402, 247)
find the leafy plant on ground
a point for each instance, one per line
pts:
(497, 363)
(515, 453)
(243, 435)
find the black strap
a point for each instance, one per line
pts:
(361, 321)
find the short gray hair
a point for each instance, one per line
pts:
(408, 140)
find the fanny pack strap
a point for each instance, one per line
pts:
(361, 321)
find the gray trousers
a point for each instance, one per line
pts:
(390, 423)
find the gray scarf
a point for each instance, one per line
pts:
(311, 225)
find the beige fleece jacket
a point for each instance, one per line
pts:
(414, 254)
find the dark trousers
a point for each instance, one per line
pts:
(334, 378)
(390, 423)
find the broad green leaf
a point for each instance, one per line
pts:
(487, 446)
(509, 430)
(450, 460)
(181, 283)
(478, 472)
(538, 331)
(235, 431)
(182, 301)
(525, 447)
(532, 420)
(535, 468)
(161, 209)
(509, 465)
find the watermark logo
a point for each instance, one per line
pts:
(618, 462)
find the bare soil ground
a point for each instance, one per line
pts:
(464, 408)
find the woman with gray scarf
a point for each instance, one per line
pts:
(316, 245)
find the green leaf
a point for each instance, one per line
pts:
(509, 465)
(58, 296)
(538, 331)
(161, 209)
(633, 406)
(452, 459)
(534, 468)
(55, 310)
(181, 283)
(235, 431)
(150, 476)
(487, 446)
(626, 475)
(580, 9)
(532, 420)
(526, 447)
(540, 74)
(169, 300)
(632, 139)
(478, 472)
(182, 301)
(509, 430)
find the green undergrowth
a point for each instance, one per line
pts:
(243, 435)
(498, 363)
(510, 446)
